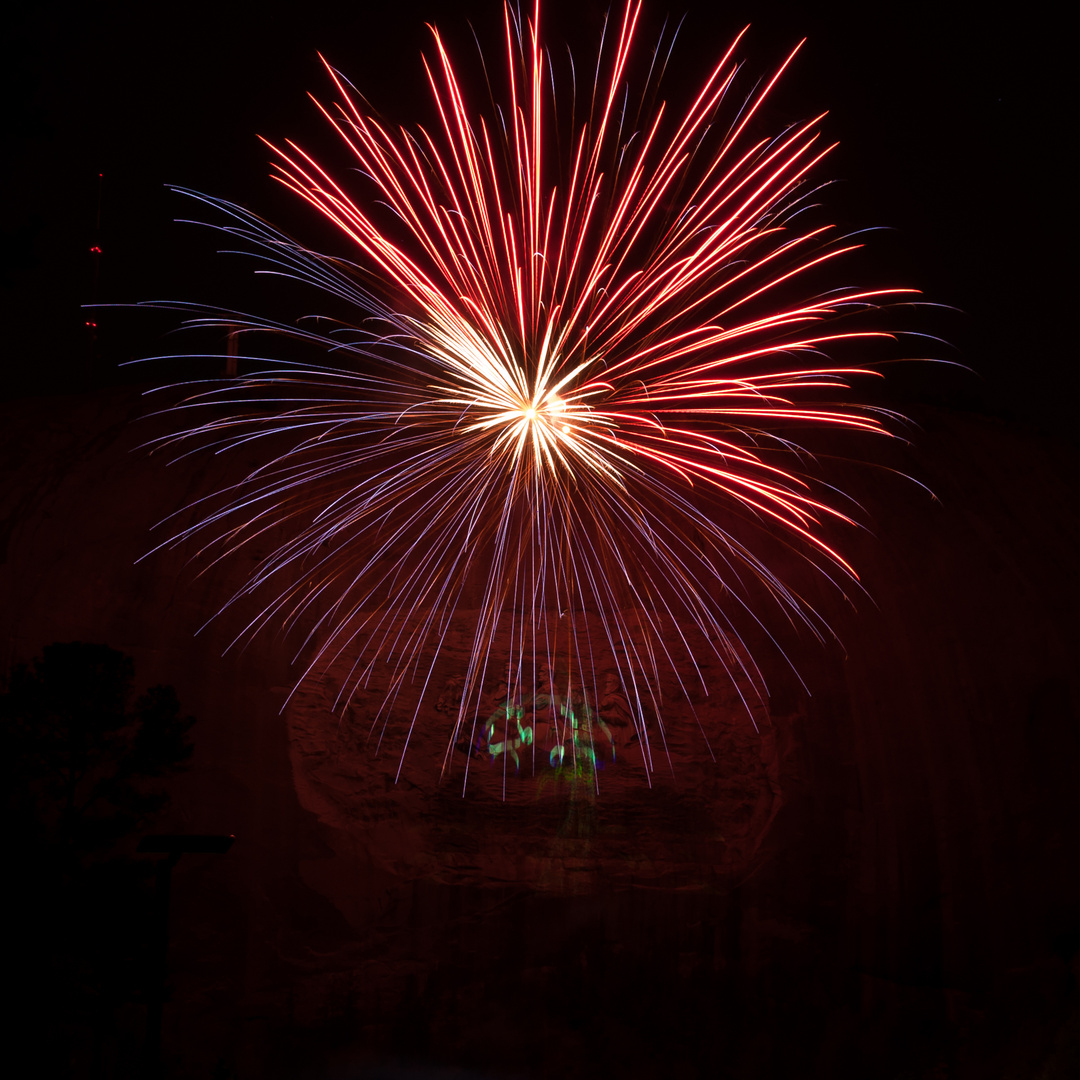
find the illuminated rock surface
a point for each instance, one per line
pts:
(882, 878)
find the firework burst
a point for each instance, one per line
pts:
(573, 369)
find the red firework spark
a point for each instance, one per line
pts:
(577, 374)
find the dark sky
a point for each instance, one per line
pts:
(950, 121)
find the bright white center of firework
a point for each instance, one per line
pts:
(550, 411)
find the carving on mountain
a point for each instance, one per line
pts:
(577, 808)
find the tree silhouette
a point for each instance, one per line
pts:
(82, 770)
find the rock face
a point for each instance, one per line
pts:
(876, 876)
(550, 801)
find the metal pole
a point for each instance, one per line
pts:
(158, 966)
(172, 846)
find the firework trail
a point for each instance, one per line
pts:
(573, 364)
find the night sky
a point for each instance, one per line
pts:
(950, 121)
(919, 888)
